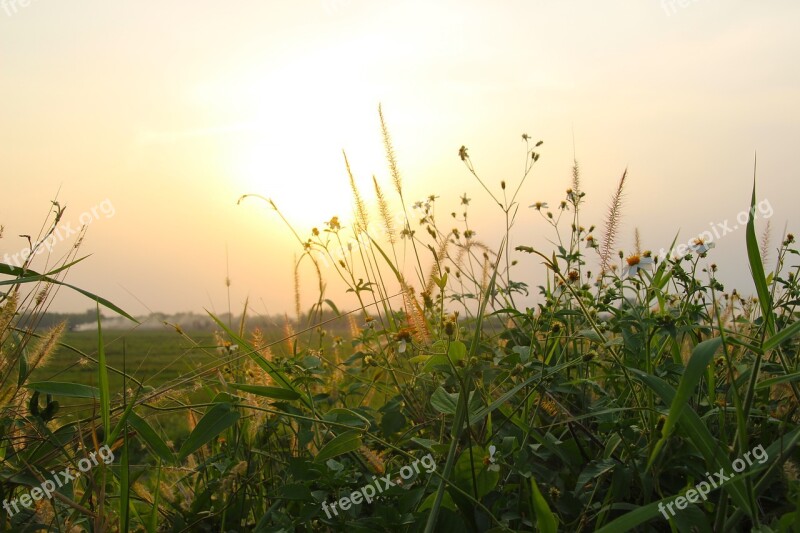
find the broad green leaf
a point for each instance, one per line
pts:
(444, 402)
(447, 502)
(346, 442)
(217, 419)
(457, 352)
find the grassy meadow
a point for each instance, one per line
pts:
(638, 394)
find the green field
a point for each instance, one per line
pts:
(153, 357)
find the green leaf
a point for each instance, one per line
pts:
(695, 370)
(457, 351)
(699, 434)
(23, 369)
(102, 371)
(767, 383)
(278, 393)
(757, 266)
(344, 443)
(333, 306)
(469, 467)
(545, 518)
(347, 416)
(436, 362)
(444, 402)
(783, 335)
(216, 420)
(151, 438)
(447, 502)
(71, 390)
(594, 470)
(630, 520)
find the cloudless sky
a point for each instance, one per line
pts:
(170, 111)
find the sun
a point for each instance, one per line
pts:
(302, 116)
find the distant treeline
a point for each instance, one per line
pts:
(187, 321)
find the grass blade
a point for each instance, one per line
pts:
(102, 371)
(757, 266)
(545, 519)
(220, 417)
(695, 369)
(68, 390)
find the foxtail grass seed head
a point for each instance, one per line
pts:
(46, 346)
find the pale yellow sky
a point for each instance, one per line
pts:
(169, 111)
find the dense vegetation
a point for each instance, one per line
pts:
(635, 379)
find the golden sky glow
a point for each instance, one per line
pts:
(171, 110)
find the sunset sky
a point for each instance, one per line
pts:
(160, 115)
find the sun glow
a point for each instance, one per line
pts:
(302, 116)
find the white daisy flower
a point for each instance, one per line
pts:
(539, 205)
(636, 262)
(700, 246)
